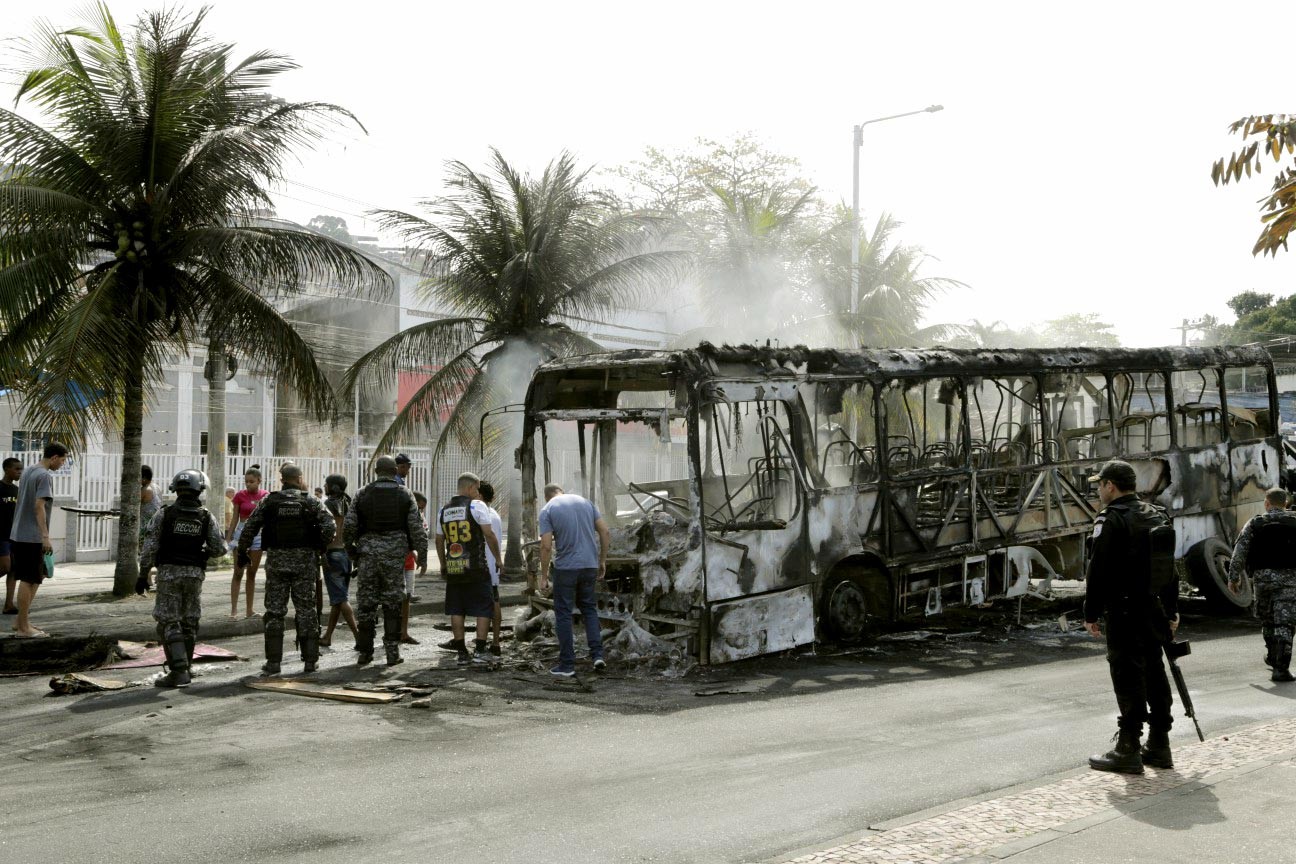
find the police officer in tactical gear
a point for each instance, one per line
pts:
(1266, 549)
(178, 540)
(294, 529)
(1132, 586)
(382, 527)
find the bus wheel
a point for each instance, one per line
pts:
(1208, 566)
(846, 610)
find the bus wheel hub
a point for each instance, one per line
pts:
(847, 610)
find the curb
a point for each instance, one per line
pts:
(224, 628)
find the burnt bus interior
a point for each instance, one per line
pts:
(964, 471)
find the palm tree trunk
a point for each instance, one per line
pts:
(127, 570)
(513, 561)
(216, 437)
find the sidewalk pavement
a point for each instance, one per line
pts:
(1226, 800)
(77, 602)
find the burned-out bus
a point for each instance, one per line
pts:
(761, 498)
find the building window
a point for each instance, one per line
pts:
(24, 441)
(236, 443)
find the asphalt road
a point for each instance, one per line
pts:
(503, 769)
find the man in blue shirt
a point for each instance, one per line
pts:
(572, 527)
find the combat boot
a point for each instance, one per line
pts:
(1156, 752)
(177, 666)
(393, 655)
(365, 643)
(273, 651)
(1124, 758)
(392, 634)
(310, 652)
(1271, 651)
(1282, 664)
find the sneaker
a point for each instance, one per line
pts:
(600, 664)
(414, 598)
(495, 649)
(464, 658)
(482, 657)
(448, 645)
(562, 673)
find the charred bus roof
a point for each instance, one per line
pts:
(595, 379)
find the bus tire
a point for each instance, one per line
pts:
(1208, 567)
(852, 603)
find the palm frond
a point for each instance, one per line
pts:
(251, 325)
(280, 261)
(446, 386)
(433, 343)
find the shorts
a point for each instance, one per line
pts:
(4, 548)
(495, 593)
(256, 541)
(337, 575)
(470, 599)
(409, 583)
(27, 562)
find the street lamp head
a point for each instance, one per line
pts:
(932, 109)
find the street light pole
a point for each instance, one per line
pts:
(857, 141)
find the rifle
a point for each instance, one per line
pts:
(1173, 651)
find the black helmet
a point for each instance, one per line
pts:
(335, 484)
(190, 481)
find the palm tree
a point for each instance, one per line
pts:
(892, 296)
(128, 226)
(512, 258)
(751, 252)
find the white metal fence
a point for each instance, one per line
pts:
(93, 482)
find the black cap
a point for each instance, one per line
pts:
(401, 458)
(1119, 472)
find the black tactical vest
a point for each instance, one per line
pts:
(288, 523)
(465, 546)
(183, 541)
(1152, 547)
(383, 506)
(1273, 545)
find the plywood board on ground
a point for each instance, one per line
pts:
(318, 691)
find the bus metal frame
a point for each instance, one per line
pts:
(819, 548)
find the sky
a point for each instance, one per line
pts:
(1068, 172)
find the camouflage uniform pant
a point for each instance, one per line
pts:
(381, 576)
(298, 584)
(177, 607)
(1275, 603)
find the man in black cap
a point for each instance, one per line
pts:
(382, 527)
(295, 529)
(1128, 587)
(402, 469)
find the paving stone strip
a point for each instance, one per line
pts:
(978, 828)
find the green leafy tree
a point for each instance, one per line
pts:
(1269, 322)
(774, 260)
(331, 226)
(127, 227)
(513, 258)
(1080, 330)
(1249, 301)
(1273, 136)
